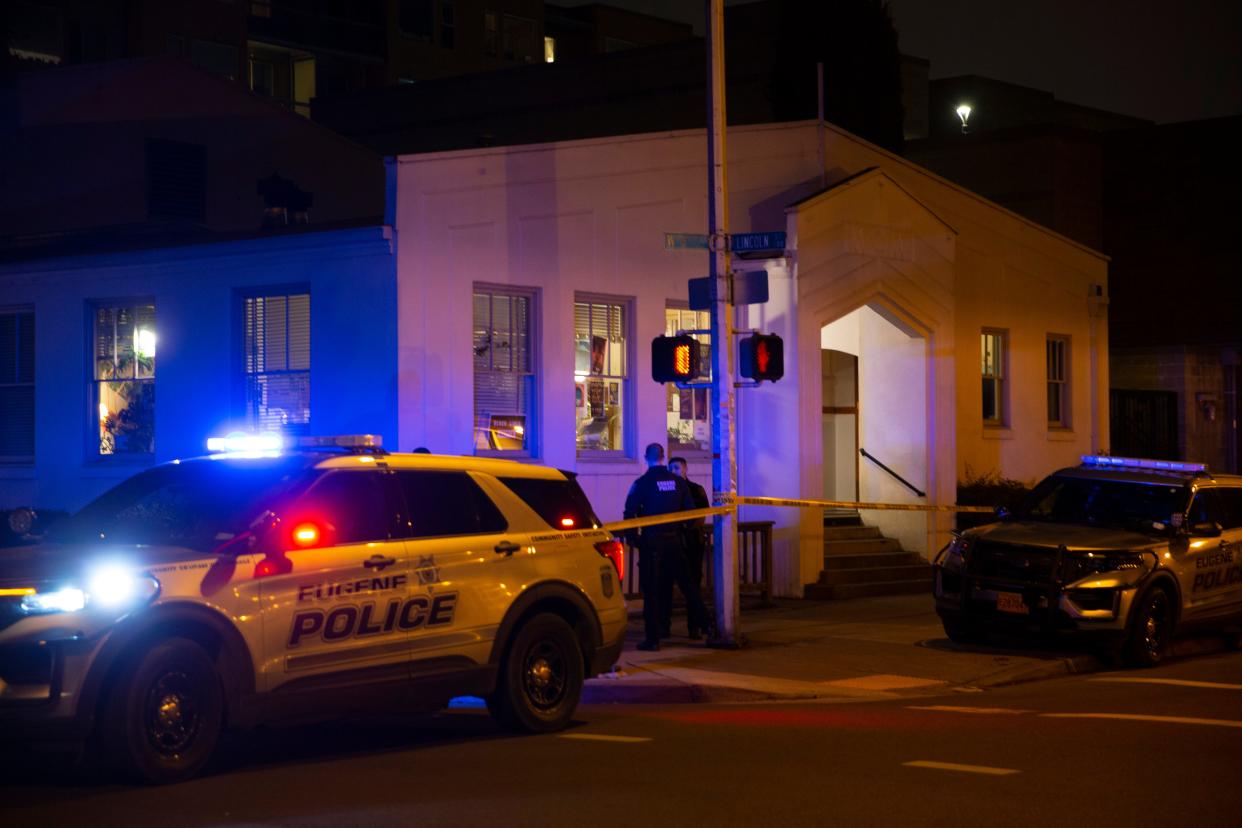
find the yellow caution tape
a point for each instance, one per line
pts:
(670, 517)
(741, 500)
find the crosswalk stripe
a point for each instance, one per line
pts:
(600, 737)
(950, 708)
(1139, 717)
(953, 766)
(1210, 685)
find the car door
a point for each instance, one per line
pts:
(1204, 566)
(336, 606)
(1229, 581)
(463, 559)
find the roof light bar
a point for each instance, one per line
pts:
(373, 441)
(240, 443)
(1140, 463)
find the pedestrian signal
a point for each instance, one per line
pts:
(762, 357)
(674, 359)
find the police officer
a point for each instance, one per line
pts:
(695, 547)
(661, 548)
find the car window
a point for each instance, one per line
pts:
(443, 503)
(1118, 504)
(1205, 508)
(556, 501)
(354, 504)
(1231, 507)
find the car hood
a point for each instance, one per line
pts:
(1072, 536)
(46, 562)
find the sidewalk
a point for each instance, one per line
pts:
(865, 648)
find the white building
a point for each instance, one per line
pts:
(945, 335)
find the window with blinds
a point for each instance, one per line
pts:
(1057, 352)
(600, 374)
(276, 362)
(123, 378)
(688, 409)
(504, 370)
(993, 369)
(17, 399)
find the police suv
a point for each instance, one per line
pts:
(1128, 551)
(259, 584)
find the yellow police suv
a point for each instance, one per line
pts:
(260, 584)
(1128, 551)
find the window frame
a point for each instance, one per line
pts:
(533, 419)
(91, 443)
(705, 373)
(1065, 421)
(240, 406)
(18, 311)
(627, 394)
(1001, 395)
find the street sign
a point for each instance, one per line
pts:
(750, 287)
(686, 241)
(750, 242)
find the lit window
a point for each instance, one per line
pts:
(504, 370)
(123, 398)
(549, 50)
(1058, 382)
(994, 356)
(600, 369)
(688, 409)
(17, 398)
(276, 361)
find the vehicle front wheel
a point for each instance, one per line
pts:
(1150, 631)
(163, 715)
(540, 677)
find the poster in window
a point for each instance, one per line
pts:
(595, 398)
(614, 393)
(599, 347)
(508, 431)
(579, 395)
(700, 404)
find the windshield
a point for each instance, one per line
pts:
(1116, 504)
(199, 504)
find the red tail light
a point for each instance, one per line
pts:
(305, 534)
(614, 551)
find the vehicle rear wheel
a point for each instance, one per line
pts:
(540, 677)
(1151, 630)
(163, 716)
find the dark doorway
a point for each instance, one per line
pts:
(1144, 424)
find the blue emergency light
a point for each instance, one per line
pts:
(241, 443)
(1140, 463)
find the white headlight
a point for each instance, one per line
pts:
(113, 586)
(69, 599)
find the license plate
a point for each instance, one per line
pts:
(1010, 602)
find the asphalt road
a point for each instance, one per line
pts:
(1118, 748)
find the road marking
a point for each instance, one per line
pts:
(949, 708)
(951, 766)
(599, 737)
(881, 681)
(1138, 717)
(1212, 685)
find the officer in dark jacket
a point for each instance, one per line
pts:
(661, 548)
(695, 547)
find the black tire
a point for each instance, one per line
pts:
(541, 677)
(960, 631)
(1151, 630)
(164, 713)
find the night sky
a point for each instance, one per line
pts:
(1166, 60)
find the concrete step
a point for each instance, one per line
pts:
(836, 533)
(841, 517)
(861, 546)
(872, 559)
(836, 592)
(875, 574)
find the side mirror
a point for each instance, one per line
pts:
(1207, 529)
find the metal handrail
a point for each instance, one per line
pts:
(897, 476)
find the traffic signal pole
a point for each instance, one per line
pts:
(724, 440)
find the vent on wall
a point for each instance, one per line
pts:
(176, 180)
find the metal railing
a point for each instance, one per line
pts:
(754, 562)
(895, 475)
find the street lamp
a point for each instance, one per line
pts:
(963, 112)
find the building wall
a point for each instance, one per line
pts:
(350, 276)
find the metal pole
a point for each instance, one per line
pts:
(724, 469)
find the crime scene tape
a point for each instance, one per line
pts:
(741, 500)
(669, 517)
